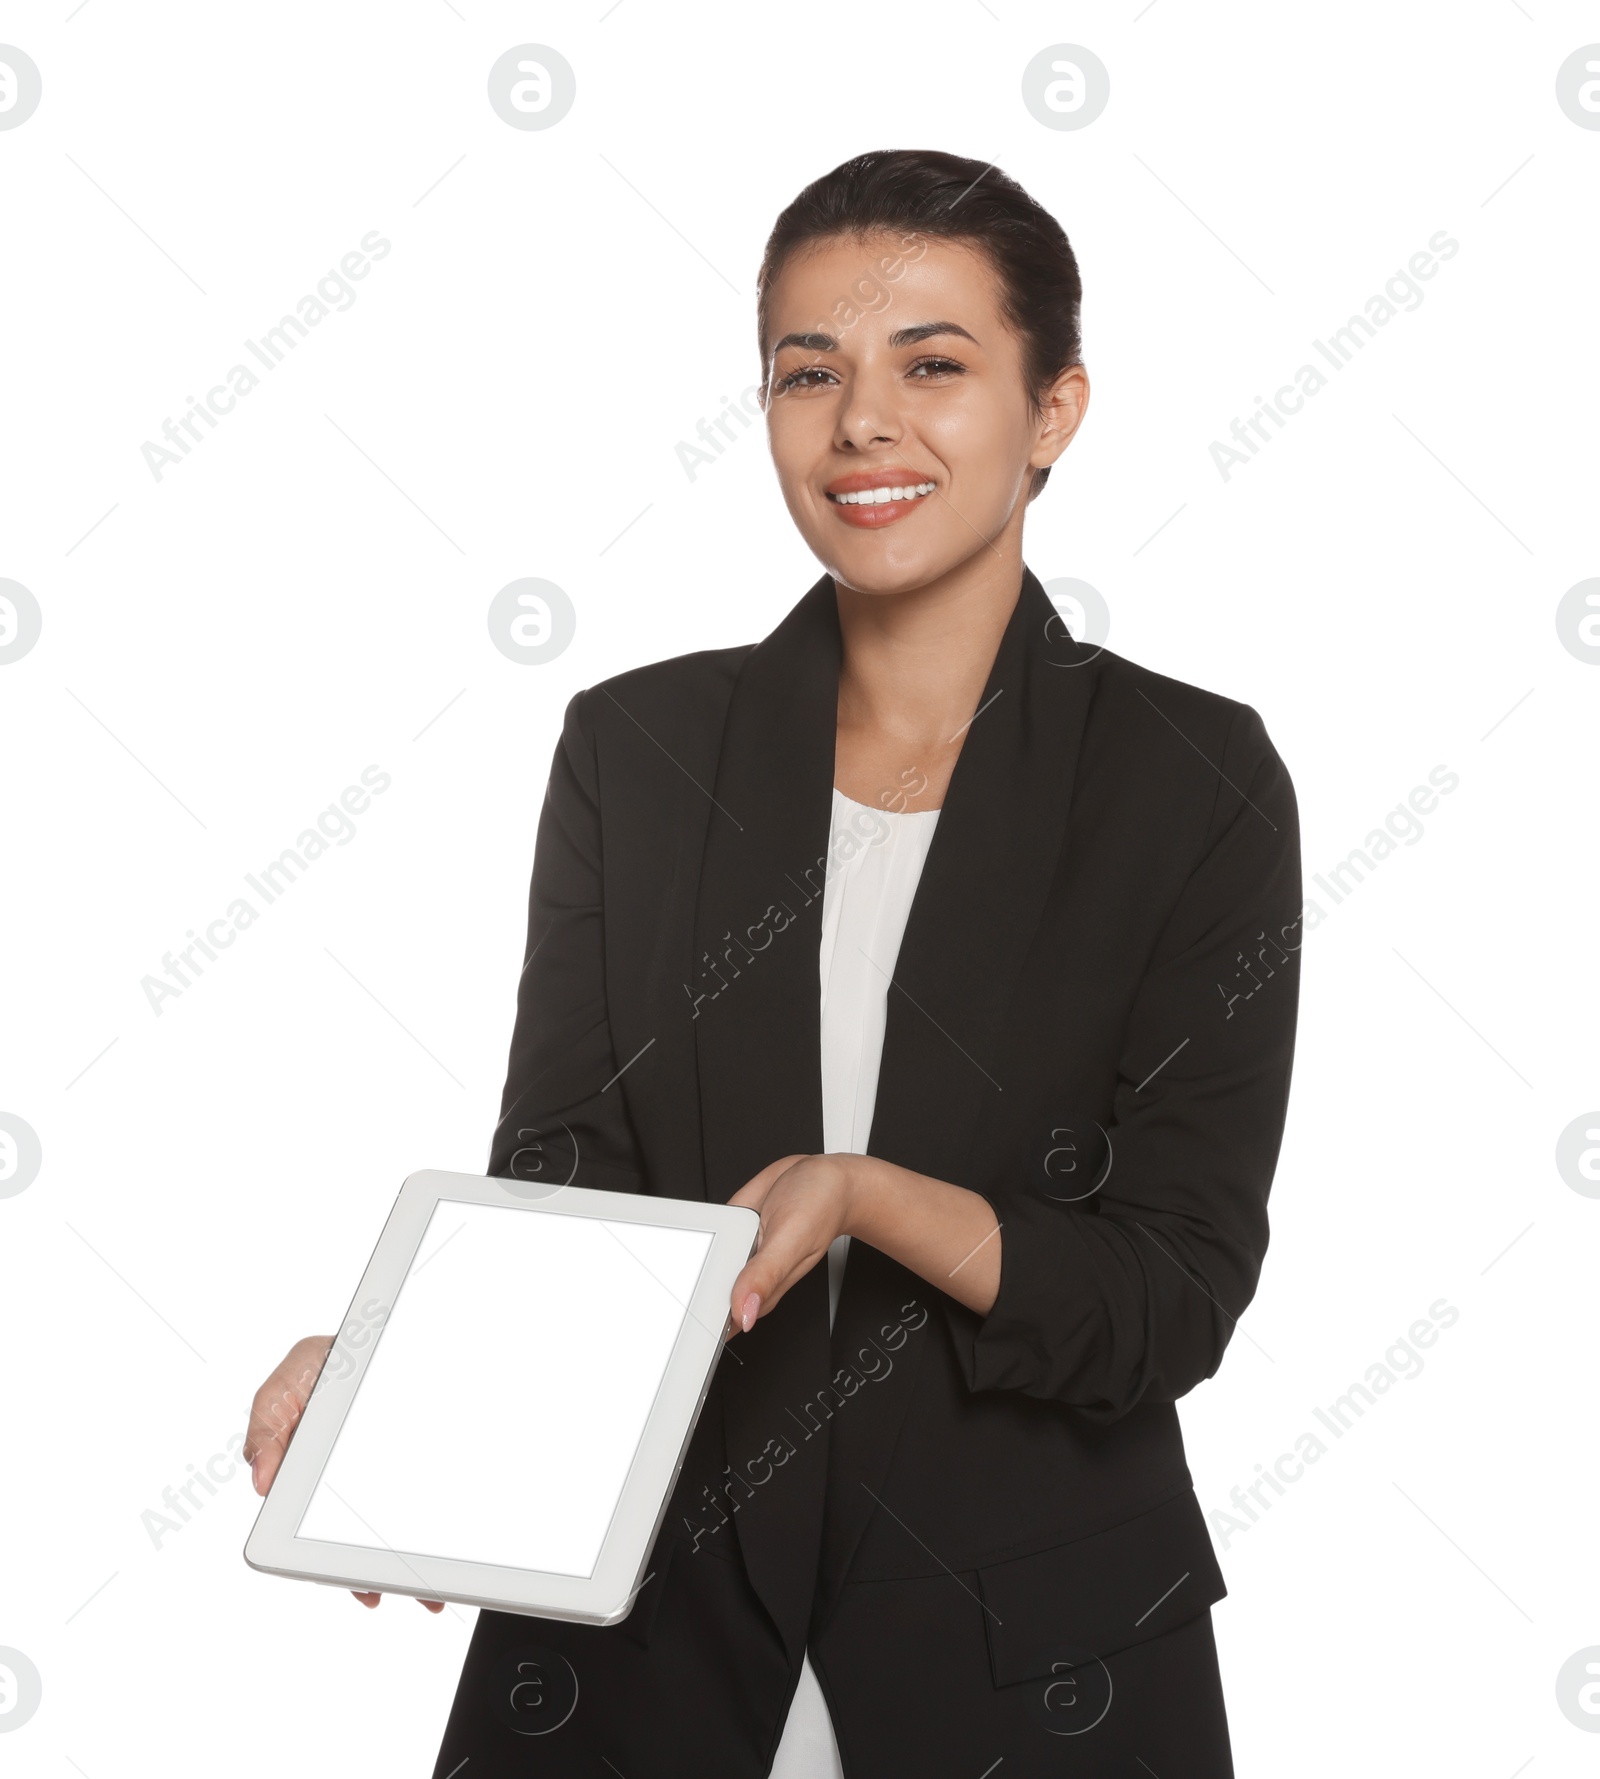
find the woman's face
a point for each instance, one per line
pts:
(890, 368)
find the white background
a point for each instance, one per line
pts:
(226, 649)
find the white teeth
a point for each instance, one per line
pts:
(877, 496)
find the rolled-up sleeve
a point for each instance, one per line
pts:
(562, 1117)
(1133, 1295)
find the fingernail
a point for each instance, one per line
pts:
(751, 1309)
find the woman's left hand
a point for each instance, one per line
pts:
(805, 1201)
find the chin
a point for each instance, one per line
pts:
(884, 571)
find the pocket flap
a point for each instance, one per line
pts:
(1093, 1596)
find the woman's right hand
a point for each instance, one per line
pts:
(276, 1412)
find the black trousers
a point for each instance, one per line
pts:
(699, 1688)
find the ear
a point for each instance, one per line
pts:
(1065, 404)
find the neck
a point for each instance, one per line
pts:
(914, 664)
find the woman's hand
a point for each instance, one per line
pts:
(276, 1412)
(805, 1201)
(943, 1233)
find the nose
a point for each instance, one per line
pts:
(869, 418)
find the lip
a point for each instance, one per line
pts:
(875, 517)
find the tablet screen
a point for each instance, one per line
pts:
(509, 1389)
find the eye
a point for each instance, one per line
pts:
(935, 367)
(796, 379)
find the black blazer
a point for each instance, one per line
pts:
(1091, 1023)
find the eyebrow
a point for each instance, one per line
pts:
(905, 336)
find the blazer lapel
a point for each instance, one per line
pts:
(802, 1487)
(755, 999)
(984, 882)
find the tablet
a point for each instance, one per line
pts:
(507, 1405)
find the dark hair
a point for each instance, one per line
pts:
(921, 191)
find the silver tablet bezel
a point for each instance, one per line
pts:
(607, 1596)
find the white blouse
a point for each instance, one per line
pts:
(874, 861)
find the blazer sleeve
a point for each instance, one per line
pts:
(562, 1117)
(1132, 1295)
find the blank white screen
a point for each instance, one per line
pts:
(509, 1388)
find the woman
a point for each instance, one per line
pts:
(1012, 1162)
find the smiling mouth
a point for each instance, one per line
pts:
(867, 497)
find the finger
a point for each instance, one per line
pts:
(432, 1605)
(265, 1468)
(272, 1414)
(787, 1252)
(367, 1599)
(273, 1418)
(264, 1458)
(274, 1410)
(768, 1276)
(277, 1406)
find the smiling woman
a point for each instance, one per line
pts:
(999, 1546)
(950, 398)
